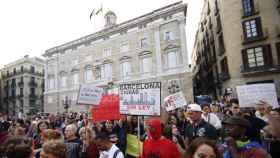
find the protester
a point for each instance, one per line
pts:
(89, 149)
(157, 146)
(106, 147)
(17, 147)
(203, 148)
(73, 143)
(171, 132)
(210, 117)
(41, 126)
(234, 107)
(236, 144)
(198, 127)
(54, 149)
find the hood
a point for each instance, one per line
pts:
(155, 128)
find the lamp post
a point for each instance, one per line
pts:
(66, 102)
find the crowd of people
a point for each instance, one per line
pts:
(210, 130)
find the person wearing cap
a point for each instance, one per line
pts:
(237, 144)
(198, 127)
(157, 146)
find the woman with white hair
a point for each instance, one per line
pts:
(89, 149)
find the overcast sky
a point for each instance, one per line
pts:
(33, 26)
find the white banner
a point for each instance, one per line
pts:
(140, 98)
(174, 101)
(251, 95)
(89, 94)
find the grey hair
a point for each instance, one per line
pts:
(72, 127)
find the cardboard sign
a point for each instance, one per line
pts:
(108, 109)
(174, 101)
(134, 145)
(250, 95)
(140, 98)
(89, 94)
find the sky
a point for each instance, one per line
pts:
(30, 27)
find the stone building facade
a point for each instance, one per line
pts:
(237, 43)
(23, 86)
(151, 47)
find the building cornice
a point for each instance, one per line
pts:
(144, 19)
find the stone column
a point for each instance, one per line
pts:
(183, 43)
(158, 51)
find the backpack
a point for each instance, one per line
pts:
(116, 153)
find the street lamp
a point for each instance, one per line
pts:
(66, 102)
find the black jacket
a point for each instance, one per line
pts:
(202, 129)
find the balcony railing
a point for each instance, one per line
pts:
(20, 96)
(13, 85)
(32, 84)
(19, 72)
(34, 96)
(224, 76)
(20, 84)
(259, 70)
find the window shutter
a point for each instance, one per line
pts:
(259, 27)
(268, 55)
(245, 59)
(278, 52)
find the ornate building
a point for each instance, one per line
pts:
(151, 47)
(23, 86)
(237, 43)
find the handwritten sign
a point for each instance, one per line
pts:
(89, 94)
(174, 101)
(140, 98)
(250, 95)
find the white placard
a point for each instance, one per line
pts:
(140, 98)
(250, 95)
(89, 94)
(174, 101)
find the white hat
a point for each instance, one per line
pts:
(194, 107)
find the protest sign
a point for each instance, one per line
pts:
(140, 98)
(108, 109)
(89, 94)
(250, 95)
(134, 145)
(174, 101)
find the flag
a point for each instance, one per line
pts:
(91, 14)
(99, 10)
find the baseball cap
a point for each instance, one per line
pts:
(194, 107)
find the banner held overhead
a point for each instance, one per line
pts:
(140, 98)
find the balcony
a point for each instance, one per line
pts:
(6, 87)
(224, 76)
(20, 96)
(33, 96)
(20, 72)
(261, 37)
(13, 85)
(32, 84)
(262, 70)
(20, 84)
